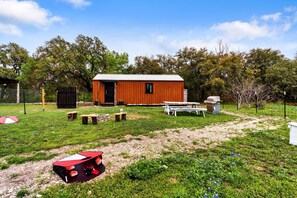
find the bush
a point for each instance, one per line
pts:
(22, 193)
(86, 97)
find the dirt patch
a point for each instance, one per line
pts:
(39, 175)
(134, 116)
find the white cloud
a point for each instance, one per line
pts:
(273, 17)
(237, 30)
(291, 9)
(10, 29)
(211, 44)
(79, 3)
(160, 39)
(196, 43)
(26, 12)
(267, 31)
(287, 26)
(294, 18)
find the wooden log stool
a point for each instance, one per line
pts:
(94, 119)
(124, 116)
(72, 115)
(120, 116)
(85, 118)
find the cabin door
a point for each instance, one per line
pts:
(109, 92)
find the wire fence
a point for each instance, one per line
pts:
(279, 109)
(286, 111)
(13, 96)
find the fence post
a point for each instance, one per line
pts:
(256, 102)
(24, 97)
(18, 93)
(42, 98)
(285, 110)
(237, 100)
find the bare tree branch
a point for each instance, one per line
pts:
(245, 91)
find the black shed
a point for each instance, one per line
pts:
(66, 97)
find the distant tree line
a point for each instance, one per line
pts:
(231, 75)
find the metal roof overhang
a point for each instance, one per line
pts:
(136, 77)
(4, 80)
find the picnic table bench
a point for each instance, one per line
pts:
(199, 111)
(118, 116)
(167, 109)
(93, 117)
(172, 105)
(72, 115)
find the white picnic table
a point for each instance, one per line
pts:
(174, 107)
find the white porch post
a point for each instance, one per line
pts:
(18, 93)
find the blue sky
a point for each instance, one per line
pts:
(150, 27)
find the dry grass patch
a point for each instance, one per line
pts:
(136, 116)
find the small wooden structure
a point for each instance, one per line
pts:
(66, 97)
(93, 117)
(113, 89)
(72, 115)
(9, 83)
(119, 116)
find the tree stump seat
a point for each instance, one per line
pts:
(93, 117)
(72, 115)
(120, 116)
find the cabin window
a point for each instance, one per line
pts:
(148, 88)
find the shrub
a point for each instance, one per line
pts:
(4, 166)
(22, 193)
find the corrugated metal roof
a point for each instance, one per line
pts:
(138, 77)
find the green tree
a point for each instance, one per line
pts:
(31, 76)
(91, 57)
(193, 66)
(259, 60)
(146, 65)
(117, 63)
(8, 73)
(229, 69)
(13, 56)
(168, 63)
(53, 63)
(60, 62)
(283, 77)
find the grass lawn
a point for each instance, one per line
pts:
(276, 110)
(261, 164)
(38, 130)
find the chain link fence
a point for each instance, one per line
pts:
(13, 96)
(10, 95)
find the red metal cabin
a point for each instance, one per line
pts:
(137, 89)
